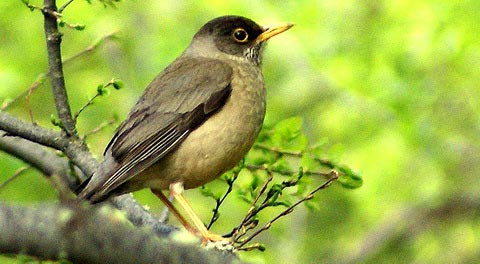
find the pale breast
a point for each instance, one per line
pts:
(221, 141)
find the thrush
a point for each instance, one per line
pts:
(196, 120)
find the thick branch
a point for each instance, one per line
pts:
(89, 235)
(49, 164)
(16, 127)
(74, 149)
(54, 38)
(39, 157)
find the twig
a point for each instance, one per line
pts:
(48, 163)
(287, 173)
(60, 10)
(100, 127)
(220, 201)
(323, 162)
(32, 7)
(43, 76)
(17, 173)
(100, 91)
(91, 48)
(54, 38)
(89, 102)
(251, 211)
(290, 209)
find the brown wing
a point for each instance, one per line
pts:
(176, 102)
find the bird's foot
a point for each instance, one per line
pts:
(211, 237)
(211, 240)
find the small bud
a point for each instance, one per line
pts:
(78, 26)
(118, 84)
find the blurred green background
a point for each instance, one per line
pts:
(393, 85)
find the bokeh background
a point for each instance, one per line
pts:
(392, 85)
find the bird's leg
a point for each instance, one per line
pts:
(174, 210)
(176, 189)
(165, 212)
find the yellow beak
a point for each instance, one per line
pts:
(273, 31)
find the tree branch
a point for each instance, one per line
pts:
(16, 127)
(92, 235)
(49, 164)
(76, 233)
(73, 148)
(43, 76)
(60, 10)
(40, 158)
(54, 38)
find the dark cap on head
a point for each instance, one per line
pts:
(238, 36)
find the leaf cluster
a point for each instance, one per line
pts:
(279, 171)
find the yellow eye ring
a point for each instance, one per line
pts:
(240, 35)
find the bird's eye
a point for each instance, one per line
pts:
(240, 35)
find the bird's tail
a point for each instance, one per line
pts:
(78, 191)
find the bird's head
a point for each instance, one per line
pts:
(234, 36)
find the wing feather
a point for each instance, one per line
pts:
(177, 101)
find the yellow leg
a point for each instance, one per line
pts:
(176, 189)
(174, 210)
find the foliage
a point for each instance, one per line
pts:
(273, 183)
(391, 84)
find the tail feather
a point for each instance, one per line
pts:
(88, 193)
(82, 186)
(93, 188)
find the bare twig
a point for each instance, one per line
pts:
(220, 201)
(237, 232)
(60, 10)
(31, 6)
(15, 175)
(89, 102)
(91, 48)
(289, 209)
(43, 76)
(100, 127)
(48, 163)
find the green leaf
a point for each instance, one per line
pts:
(309, 162)
(349, 179)
(260, 157)
(288, 135)
(207, 192)
(283, 203)
(281, 165)
(242, 194)
(311, 205)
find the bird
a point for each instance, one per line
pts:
(196, 120)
